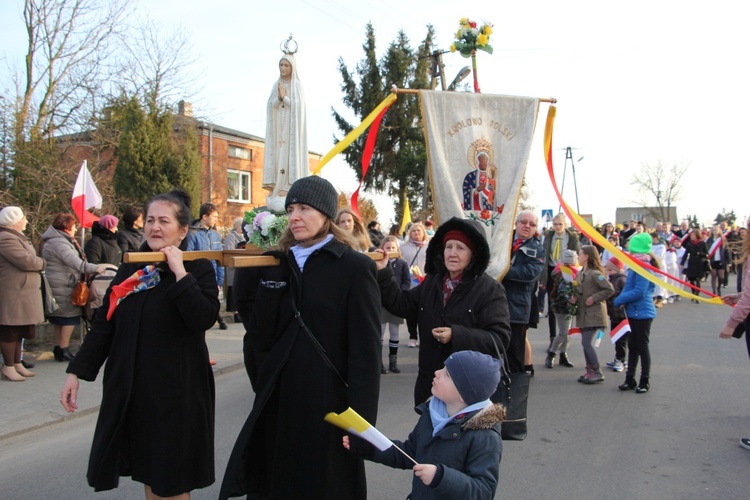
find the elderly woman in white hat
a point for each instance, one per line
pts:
(20, 296)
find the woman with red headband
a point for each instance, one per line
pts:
(457, 307)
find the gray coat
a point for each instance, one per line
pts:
(65, 264)
(20, 296)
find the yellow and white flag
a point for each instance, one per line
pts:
(353, 423)
(478, 146)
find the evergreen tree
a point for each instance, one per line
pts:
(152, 158)
(399, 160)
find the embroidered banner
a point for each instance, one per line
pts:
(477, 148)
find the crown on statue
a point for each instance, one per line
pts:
(286, 46)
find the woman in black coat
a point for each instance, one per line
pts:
(102, 248)
(130, 238)
(156, 421)
(476, 309)
(326, 359)
(695, 260)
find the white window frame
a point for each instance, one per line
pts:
(241, 174)
(240, 152)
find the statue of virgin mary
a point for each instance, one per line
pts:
(285, 158)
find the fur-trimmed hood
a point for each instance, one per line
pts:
(485, 418)
(434, 263)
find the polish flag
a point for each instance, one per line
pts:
(574, 331)
(619, 330)
(85, 196)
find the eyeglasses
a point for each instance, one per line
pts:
(529, 223)
(557, 223)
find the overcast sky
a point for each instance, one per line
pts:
(636, 82)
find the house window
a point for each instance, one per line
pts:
(238, 152)
(239, 186)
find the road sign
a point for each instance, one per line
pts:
(547, 215)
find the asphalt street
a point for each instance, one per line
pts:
(678, 441)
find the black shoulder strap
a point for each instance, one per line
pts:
(415, 257)
(318, 347)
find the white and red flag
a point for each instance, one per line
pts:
(619, 330)
(85, 196)
(574, 331)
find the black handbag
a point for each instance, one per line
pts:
(48, 300)
(513, 393)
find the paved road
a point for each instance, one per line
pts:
(678, 441)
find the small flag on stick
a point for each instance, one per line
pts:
(619, 330)
(574, 331)
(85, 196)
(353, 423)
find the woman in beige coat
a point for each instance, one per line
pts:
(20, 295)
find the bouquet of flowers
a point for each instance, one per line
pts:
(470, 38)
(264, 228)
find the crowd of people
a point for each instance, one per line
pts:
(317, 343)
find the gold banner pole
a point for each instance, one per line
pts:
(397, 90)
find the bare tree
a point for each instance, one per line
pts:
(156, 66)
(69, 44)
(660, 183)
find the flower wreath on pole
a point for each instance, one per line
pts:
(469, 39)
(264, 228)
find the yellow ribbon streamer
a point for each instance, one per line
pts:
(592, 233)
(352, 136)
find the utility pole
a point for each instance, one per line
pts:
(569, 156)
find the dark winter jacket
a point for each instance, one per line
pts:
(402, 276)
(200, 238)
(467, 453)
(477, 310)
(637, 297)
(560, 294)
(526, 265)
(695, 259)
(102, 248)
(285, 447)
(616, 314)
(157, 410)
(130, 239)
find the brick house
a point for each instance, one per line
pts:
(232, 164)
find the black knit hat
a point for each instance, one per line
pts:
(475, 375)
(316, 192)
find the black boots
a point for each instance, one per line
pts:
(643, 386)
(62, 354)
(564, 361)
(550, 361)
(629, 384)
(392, 366)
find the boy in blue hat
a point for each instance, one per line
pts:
(458, 433)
